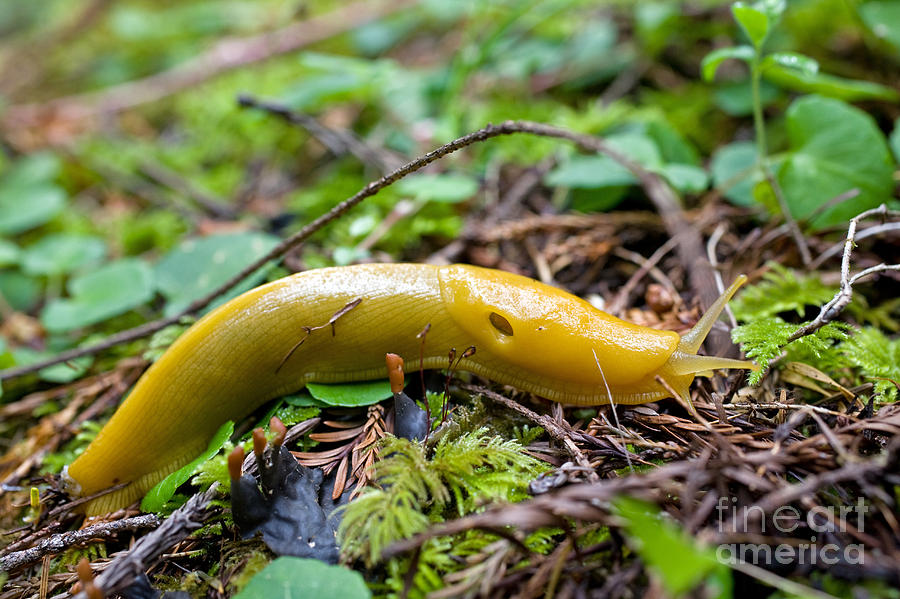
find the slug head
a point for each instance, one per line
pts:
(543, 330)
(684, 360)
(684, 363)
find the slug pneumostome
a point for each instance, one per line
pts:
(336, 324)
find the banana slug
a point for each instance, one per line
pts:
(336, 324)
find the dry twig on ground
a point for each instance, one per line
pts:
(690, 248)
(833, 308)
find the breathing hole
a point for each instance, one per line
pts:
(501, 324)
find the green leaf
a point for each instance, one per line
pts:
(895, 140)
(445, 188)
(303, 400)
(655, 24)
(589, 172)
(735, 98)
(792, 60)
(754, 22)
(28, 197)
(834, 148)
(639, 147)
(9, 253)
(39, 167)
(733, 169)
(106, 292)
(6, 358)
(156, 498)
(351, 394)
(301, 578)
(883, 18)
(711, 61)
(849, 90)
(20, 291)
(685, 178)
(595, 171)
(62, 253)
(321, 89)
(672, 145)
(58, 373)
(24, 206)
(198, 266)
(670, 553)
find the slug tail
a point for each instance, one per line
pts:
(135, 490)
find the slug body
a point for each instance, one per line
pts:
(336, 324)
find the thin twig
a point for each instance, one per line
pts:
(62, 541)
(662, 195)
(124, 569)
(167, 177)
(796, 233)
(870, 232)
(776, 581)
(777, 405)
(338, 142)
(554, 429)
(833, 308)
(621, 300)
(713, 259)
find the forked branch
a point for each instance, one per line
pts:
(841, 300)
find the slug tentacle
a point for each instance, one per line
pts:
(691, 341)
(685, 361)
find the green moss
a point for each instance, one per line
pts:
(464, 473)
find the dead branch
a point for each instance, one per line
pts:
(690, 247)
(558, 432)
(225, 56)
(62, 541)
(833, 308)
(123, 570)
(338, 142)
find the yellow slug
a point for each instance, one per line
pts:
(337, 324)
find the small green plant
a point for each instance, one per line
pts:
(837, 346)
(877, 357)
(781, 290)
(464, 473)
(294, 577)
(155, 499)
(765, 339)
(819, 164)
(756, 20)
(656, 538)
